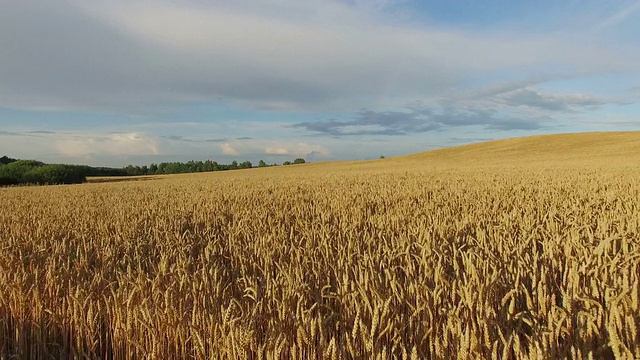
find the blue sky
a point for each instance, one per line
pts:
(133, 82)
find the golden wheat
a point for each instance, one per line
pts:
(316, 262)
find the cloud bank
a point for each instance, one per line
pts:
(509, 109)
(267, 54)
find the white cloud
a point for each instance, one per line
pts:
(228, 149)
(118, 149)
(79, 144)
(298, 149)
(276, 151)
(85, 144)
(620, 16)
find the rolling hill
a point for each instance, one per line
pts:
(614, 147)
(595, 150)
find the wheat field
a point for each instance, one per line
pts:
(518, 249)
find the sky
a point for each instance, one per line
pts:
(117, 82)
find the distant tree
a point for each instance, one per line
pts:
(103, 171)
(381, 156)
(286, 163)
(215, 166)
(35, 172)
(299, 161)
(190, 166)
(131, 170)
(173, 168)
(6, 160)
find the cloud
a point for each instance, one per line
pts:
(420, 120)
(121, 148)
(255, 148)
(228, 149)
(550, 101)
(86, 144)
(297, 149)
(80, 145)
(194, 140)
(618, 17)
(32, 134)
(623, 123)
(458, 140)
(125, 56)
(40, 132)
(505, 106)
(276, 151)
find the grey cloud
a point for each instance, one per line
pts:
(620, 123)
(195, 140)
(62, 55)
(419, 120)
(527, 83)
(551, 102)
(40, 132)
(458, 140)
(59, 56)
(124, 55)
(185, 139)
(517, 124)
(31, 134)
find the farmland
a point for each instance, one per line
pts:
(523, 248)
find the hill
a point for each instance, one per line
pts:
(597, 149)
(621, 148)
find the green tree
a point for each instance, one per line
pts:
(261, 163)
(299, 161)
(6, 160)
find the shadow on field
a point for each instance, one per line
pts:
(120, 179)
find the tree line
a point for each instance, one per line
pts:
(35, 172)
(196, 166)
(16, 172)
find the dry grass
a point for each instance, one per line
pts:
(430, 256)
